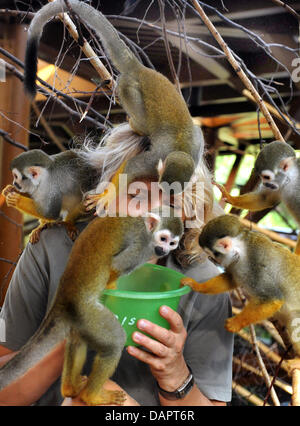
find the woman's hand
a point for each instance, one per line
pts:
(166, 358)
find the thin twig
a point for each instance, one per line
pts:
(87, 50)
(263, 367)
(167, 46)
(287, 8)
(48, 129)
(237, 68)
(11, 141)
(279, 383)
(245, 393)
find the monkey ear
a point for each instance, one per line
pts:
(286, 163)
(151, 221)
(224, 245)
(35, 172)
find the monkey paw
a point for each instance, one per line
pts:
(195, 286)
(104, 397)
(187, 282)
(12, 199)
(233, 325)
(35, 235)
(8, 189)
(69, 390)
(111, 286)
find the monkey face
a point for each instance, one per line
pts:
(280, 175)
(28, 179)
(224, 251)
(164, 242)
(20, 180)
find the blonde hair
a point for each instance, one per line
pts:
(205, 209)
(120, 144)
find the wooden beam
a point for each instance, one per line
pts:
(14, 119)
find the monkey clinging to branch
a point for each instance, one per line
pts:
(154, 106)
(267, 271)
(279, 172)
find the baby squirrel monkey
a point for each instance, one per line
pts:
(106, 249)
(45, 186)
(151, 101)
(267, 271)
(279, 172)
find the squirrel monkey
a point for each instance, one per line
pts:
(106, 249)
(279, 172)
(46, 186)
(268, 272)
(151, 101)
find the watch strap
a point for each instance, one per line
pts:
(180, 392)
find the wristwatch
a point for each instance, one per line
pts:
(180, 392)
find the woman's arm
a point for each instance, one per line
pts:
(30, 387)
(166, 359)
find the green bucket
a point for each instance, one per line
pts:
(140, 295)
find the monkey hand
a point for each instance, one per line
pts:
(225, 194)
(190, 282)
(195, 286)
(8, 190)
(12, 196)
(234, 325)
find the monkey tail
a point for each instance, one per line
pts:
(51, 332)
(118, 145)
(122, 58)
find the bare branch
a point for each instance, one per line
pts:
(287, 8)
(8, 139)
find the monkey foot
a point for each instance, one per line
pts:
(104, 397)
(234, 324)
(35, 235)
(69, 390)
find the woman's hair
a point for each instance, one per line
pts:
(120, 144)
(201, 203)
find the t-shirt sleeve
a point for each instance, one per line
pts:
(209, 347)
(26, 300)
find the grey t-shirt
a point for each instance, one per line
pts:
(208, 348)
